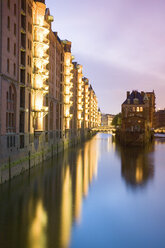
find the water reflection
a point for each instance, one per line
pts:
(159, 141)
(66, 209)
(37, 230)
(39, 209)
(137, 165)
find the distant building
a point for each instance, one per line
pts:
(138, 111)
(93, 108)
(151, 98)
(160, 118)
(137, 117)
(99, 117)
(106, 119)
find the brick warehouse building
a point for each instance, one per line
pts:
(37, 82)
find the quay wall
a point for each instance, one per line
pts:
(134, 138)
(16, 162)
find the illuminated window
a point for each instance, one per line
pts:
(137, 109)
(67, 99)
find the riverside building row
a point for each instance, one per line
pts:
(44, 97)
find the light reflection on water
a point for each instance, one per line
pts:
(37, 231)
(80, 199)
(137, 165)
(43, 205)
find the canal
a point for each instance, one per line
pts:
(95, 195)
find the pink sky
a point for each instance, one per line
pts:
(120, 43)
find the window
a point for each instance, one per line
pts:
(27, 77)
(14, 69)
(8, 22)
(8, 4)
(10, 141)
(22, 76)
(15, 29)
(22, 97)
(8, 66)
(8, 44)
(15, 9)
(23, 5)
(11, 109)
(23, 40)
(22, 121)
(29, 112)
(23, 58)
(23, 22)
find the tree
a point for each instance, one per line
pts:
(117, 120)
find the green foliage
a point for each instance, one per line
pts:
(117, 120)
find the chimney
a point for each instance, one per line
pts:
(128, 94)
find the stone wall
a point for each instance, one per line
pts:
(15, 162)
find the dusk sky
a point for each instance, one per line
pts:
(120, 43)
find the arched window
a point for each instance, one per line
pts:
(11, 109)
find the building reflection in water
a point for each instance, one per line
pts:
(159, 141)
(136, 164)
(49, 200)
(37, 230)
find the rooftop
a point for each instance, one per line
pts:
(140, 96)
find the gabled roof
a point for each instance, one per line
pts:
(135, 95)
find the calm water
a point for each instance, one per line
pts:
(97, 195)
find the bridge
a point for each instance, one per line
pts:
(160, 130)
(104, 129)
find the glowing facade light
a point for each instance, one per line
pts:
(79, 96)
(41, 29)
(85, 101)
(68, 85)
